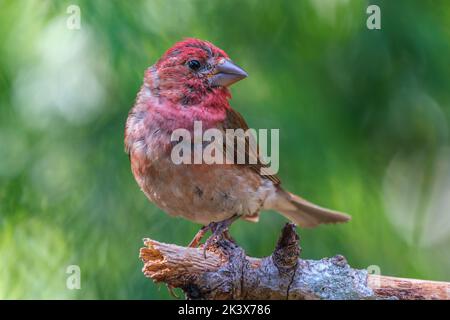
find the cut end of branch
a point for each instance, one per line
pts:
(171, 263)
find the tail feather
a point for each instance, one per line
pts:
(304, 213)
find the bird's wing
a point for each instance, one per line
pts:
(235, 121)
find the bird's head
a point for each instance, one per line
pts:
(191, 71)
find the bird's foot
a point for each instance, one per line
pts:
(219, 231)
(216, 228)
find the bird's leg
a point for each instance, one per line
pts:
(199, 236)
(218, 230)
(211, 227)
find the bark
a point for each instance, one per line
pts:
(227, 273)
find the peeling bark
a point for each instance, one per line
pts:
(227, 273)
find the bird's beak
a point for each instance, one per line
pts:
(226, 73)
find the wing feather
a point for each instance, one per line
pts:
(234, 120)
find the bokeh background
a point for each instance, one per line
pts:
(363, 117)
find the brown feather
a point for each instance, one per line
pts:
(304, 213)
(234, 120)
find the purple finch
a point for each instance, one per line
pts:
(190, 83)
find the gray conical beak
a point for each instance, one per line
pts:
(226, 73)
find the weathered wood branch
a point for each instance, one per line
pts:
(227, 273)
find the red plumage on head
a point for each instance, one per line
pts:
(192, 46)
(172, 79)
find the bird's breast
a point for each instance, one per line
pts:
(198, 192)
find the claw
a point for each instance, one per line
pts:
(218, 229)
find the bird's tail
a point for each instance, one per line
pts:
(303, 213)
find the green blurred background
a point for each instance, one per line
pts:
(363, 117)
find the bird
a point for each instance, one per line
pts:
(191, 82)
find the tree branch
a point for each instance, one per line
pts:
(227, 273)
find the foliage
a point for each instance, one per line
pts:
(363, 117)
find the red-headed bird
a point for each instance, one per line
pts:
(190, 83)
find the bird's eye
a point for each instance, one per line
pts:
(194, 65)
